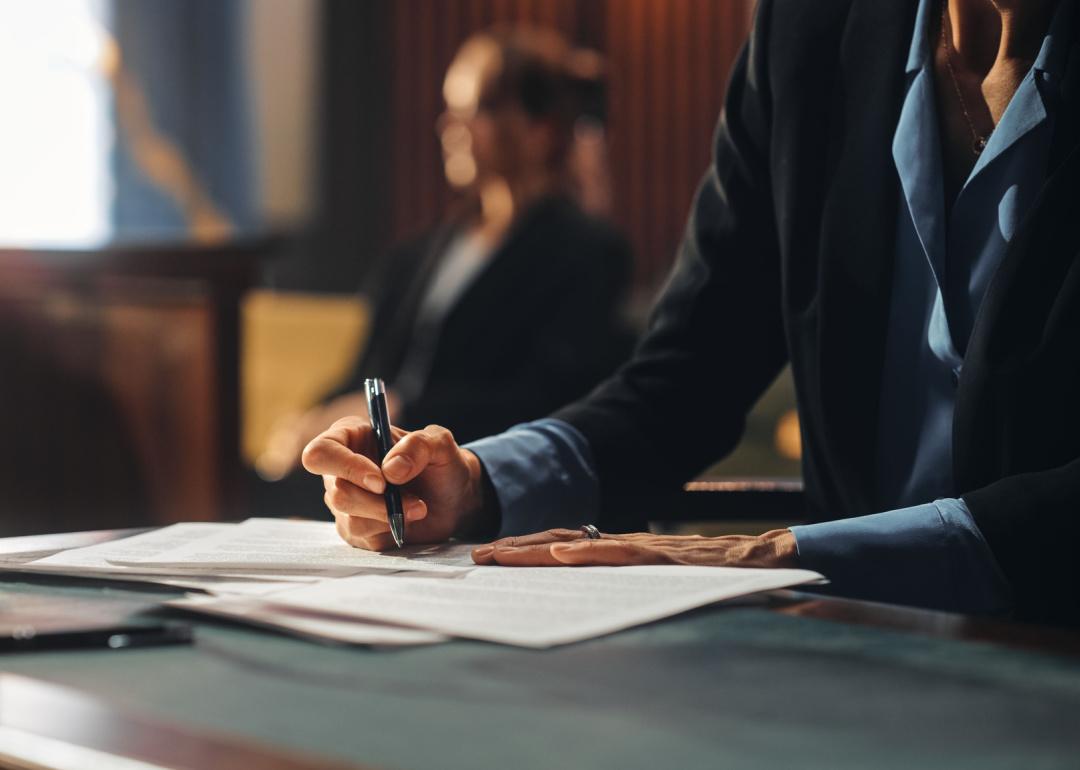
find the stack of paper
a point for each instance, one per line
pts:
(307, 623)
(299, 576)
(96, 561)
(535, 606)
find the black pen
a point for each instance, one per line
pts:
(380, 423)
(28, 638)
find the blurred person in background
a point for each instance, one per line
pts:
(510, 307)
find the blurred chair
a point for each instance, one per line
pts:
(124, 407)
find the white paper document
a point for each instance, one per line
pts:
(300, 577)
(539, 606)
(281, 545)
(17, 550)
(96, 561)
(96, 558)
(307, 623)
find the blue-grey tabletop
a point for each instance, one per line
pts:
(721, 687)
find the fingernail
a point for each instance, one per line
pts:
(483, 551)
(561, 547)
(414, 509)
(398, 466)
(373, 483)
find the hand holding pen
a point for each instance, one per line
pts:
(440, 484)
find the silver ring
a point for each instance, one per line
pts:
(591, 532)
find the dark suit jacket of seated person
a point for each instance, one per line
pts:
(537, 326)
(794, 235)
(931, 320)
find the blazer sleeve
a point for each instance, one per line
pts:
(1031, 522)
(715, 340)
(578, 341)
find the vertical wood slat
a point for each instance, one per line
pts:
(668, 79)
(668, 64)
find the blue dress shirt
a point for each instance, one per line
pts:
(927, 550)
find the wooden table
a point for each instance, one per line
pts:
(797, 680)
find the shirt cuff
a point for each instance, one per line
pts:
(930, 555)
(543, 476)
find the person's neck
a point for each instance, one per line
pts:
(501, 201)
(995, 34)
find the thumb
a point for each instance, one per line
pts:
(413, 454)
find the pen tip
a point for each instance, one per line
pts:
(396, 530)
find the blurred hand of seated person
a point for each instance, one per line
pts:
(294, 431)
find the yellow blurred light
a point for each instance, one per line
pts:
(788, 436)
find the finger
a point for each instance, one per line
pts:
(331, 453)
(606, 553)
(538, 555)
(434, 445)
(339, 525)
(483, 554)
(363, 533)
(536, 538)
(356, 532)
(346, 497)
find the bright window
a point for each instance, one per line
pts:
(56, 130)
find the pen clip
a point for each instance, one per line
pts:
(375, 394)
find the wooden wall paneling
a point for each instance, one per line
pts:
(685, 131)
(668, 64)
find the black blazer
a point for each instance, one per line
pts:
(537, 327)
(789, 257)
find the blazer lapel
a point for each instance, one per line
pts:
(1015, 311)
(388, 350)
(521, 248)
(858, 242)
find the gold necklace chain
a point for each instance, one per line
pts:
(978, 142)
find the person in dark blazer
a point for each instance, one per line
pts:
(893, 210)
(512, 306)
(536, 327)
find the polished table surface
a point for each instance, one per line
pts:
(794, 681)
